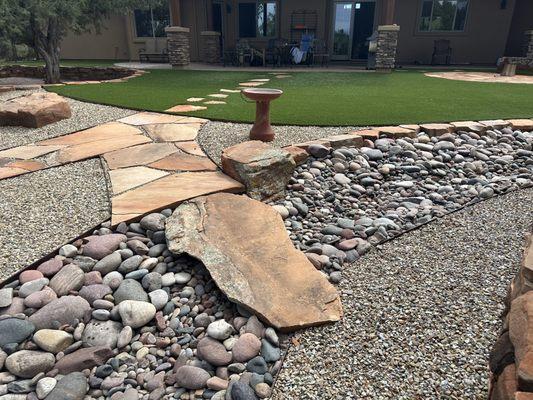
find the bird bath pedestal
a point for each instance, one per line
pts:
(262, 129)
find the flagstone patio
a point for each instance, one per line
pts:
(152, 160)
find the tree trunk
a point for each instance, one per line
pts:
(47, 46)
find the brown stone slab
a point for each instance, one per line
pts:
(370, 134)
(138, 155)
(495, 123)
(191, 148)
(28, 165)
(128, 178)
(469, 126)
(145, 118)
(184, 162)
(245, 246)
(172, 190)
(413, 127)
(92, 149)
(521, 325)
(173, 132)
(436, 129)
(106, 131)
(521, 124)
(185, 108)
(346, 140)
(192, 120)
(34, 110)
(396, 132)
(28, 152)
(298, 154)
(7, 172)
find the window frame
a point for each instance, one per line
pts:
(150, 10)
(451, 32)
(257, 35)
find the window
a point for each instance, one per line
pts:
(257, 19)
(443, 15)
(152, 22)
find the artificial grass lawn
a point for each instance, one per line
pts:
(321, 98)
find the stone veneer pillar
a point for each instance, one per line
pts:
(386, 47)
(210, 47)
(529, 44)
(178, 45)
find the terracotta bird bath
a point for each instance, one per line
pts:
(262, 97)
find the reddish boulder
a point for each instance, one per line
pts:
(34, 110)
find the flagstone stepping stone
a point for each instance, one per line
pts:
(192, 120)
(260, 80)
(436, 129)
(495, 123)
(218, 95)
(283, 76)
(28, 152)
(128, 178)
(145, 118)
(170, 191)
(92, 149)
(251, 84)
(183, 108)
(191, 148)
(138, 155)
(184, 162)
(469, 126)
(521, 124)
(28, 165)
(7, 172)
(396, 132)
(230, 91)
(173, 132)
(214, 102)
(195, 99)
(236, 238)
(34, 110)
(413, 127)
(110, 130)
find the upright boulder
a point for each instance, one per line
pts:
(244, 245)
(264, 170)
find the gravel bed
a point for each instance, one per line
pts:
(84, 115)
(216, 136)
(42, 210)
(421, 312)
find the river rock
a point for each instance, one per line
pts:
(95, 292)
(290, 294)
(64, 310)
(51, 267)
(108, 263)
(98, 247)
(69, 278)
(41, 298)
(242, 391)
(136, 313)
(246, 347)
(44, 387)
(153, 222)
(71, 387)
(192, 378)
(15, 330)
(6, 297)
(52, 340)
(84, 359)
(130, 289)
(213, 352)
(101, 333)
(219, 330)
(28, 363)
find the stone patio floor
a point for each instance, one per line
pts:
(153, 161)
(481, 77)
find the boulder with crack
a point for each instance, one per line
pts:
(34, 110)
(244, 245)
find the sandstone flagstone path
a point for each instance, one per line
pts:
(481, 77)
(153, 161)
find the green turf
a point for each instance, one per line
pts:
(322, 98)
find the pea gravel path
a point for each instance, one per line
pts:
(45, 209)
(421, 312)
(84, 115)
(216, 136)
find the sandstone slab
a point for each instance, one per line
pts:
(436, 129)
(34, 110)
(110, 130)
(521, 325)
(346, 140)
(184, 108)
(495, 123)
(124, 179)
(171, 191)
(521, 124)
(396, 132)
(191, 148)
(138, 155)
(9, 172)
(146, 118)
(184, 162)
(298, 154)
(469, 126)
(244, 245)
(28, 152)
(264, 170)
(173, 132)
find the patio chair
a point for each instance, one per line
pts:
(320, 53)
(441, 49)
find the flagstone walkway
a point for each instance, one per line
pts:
(481, 77)
(153, 161)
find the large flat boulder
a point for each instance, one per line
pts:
(34, 110)
(244, 245)
(264, 169)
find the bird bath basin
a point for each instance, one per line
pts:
(262, 129)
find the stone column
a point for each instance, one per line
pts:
(386, 47)
(210, 47)
(528, 44)
(178, 45)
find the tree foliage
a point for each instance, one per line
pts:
(42, 24)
